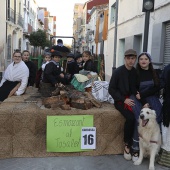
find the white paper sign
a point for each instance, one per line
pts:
(88, 138)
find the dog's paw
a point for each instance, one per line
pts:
(151, 168)
(137, 162)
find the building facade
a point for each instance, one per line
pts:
(14, 27)
(2, 37)
(77, 22)
(130, 32)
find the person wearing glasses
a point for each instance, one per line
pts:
(17, 72)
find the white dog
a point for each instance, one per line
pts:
(149, 136)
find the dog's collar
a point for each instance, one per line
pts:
(151, 141)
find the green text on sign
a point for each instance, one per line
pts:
(64, 132)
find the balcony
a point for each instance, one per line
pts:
(30, 29)
(11, 15)
(20, 20)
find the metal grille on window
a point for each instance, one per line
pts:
(167, 45)
(9, 48)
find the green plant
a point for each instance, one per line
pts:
(38, 38)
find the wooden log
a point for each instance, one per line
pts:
(81, 103)
(47, 102)
(65, 107)
(93, 100)
(57, 105)
(56, 92)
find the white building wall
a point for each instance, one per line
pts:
(26, 5)
(131, 23)
(110, 45)
(92, 24)
(2, 35)
(33, 13)
(14, 30)
(109, 54)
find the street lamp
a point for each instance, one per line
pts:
(148, 6)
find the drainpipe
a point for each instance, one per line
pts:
(115, 36)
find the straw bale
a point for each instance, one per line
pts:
(6, 147)
(23, 128)
(6, 125)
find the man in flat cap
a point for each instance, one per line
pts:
(120, 88)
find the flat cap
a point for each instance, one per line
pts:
(130, 52)
(78, 55)
(56, 53)
(70, 55)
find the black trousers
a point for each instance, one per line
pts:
(6, 88)
(129, 123)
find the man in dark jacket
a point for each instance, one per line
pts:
(165, 83)
(60, 47)
(120, 90)
(31, 66)
(53, 72)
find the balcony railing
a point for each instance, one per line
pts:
(11, 15)
(20, 20)
(15, 18)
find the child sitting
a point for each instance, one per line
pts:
(39, 75)
(79, 61)
(72, 67)
(47, 59)
(53, 73)
(87, 75)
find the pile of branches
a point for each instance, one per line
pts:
(65, 97)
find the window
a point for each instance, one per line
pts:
(19, 44)
(8, 10)
(113, 11)
(9, 47)
(20, 8)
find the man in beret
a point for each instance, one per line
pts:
(53, 72)
(120, 88)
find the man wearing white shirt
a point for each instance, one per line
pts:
(16, 72)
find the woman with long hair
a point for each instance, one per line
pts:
(147, 94)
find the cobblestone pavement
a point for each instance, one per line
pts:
(108, 162)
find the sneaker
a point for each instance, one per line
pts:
(127, 154)
(135, 156)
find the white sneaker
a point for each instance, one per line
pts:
(127, 155)
(135, 156)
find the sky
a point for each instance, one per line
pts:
(63, 10)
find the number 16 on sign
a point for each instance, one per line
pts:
(88, 138)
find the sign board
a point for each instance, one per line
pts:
(88, 138)
(64, 132)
